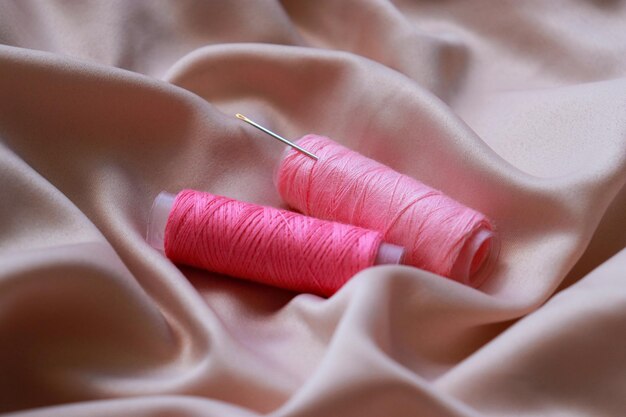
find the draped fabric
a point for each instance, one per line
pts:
(514, 108)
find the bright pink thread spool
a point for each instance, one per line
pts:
(264, 244)
(439, 234)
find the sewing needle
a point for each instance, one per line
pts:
(274, 135)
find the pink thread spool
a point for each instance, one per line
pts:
(439, 234)
(277, 247)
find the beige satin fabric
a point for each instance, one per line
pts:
(517, 109)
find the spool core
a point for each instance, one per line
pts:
(476, 256)
(157, 221)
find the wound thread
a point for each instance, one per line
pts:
(266, 244)
(439, 234)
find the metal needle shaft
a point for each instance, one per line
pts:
(274, 135)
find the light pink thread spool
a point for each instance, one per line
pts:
(467, 258)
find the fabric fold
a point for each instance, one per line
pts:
(516, 110)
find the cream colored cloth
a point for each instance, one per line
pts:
(515, 108)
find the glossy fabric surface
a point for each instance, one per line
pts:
(514, 108)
